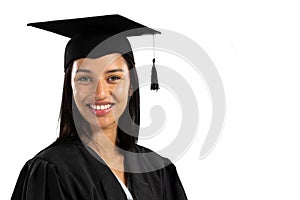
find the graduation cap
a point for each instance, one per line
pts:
(93, 37)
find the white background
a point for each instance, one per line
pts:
(255, 46)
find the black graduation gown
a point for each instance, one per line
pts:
(69, 171)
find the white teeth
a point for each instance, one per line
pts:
(100, 107)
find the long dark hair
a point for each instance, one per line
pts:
(72, 123)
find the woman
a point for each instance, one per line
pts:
(96, 155)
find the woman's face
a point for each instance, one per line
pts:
(101, 89)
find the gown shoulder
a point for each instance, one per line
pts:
(57, 172)
(169, 186)
(39, 179)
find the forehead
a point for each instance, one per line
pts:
(103, 63)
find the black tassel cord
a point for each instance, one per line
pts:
(154, 79)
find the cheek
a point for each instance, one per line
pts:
(121, 91)
(121, 94)
(80, 93)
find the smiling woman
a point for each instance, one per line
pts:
(96, 155)
(101, 89)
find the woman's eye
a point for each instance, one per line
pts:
(84, 79)
(113, 78)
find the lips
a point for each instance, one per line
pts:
(101, 109)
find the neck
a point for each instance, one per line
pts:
(104, 140)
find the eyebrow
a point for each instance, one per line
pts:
(83, 70)
(114, 70)
(107, 72)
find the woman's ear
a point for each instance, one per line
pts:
(130, 91)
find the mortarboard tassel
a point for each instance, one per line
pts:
(154, 79)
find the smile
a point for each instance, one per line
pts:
(100, 107)
(100, 110)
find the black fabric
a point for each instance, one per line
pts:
(69, 171)
(93, 45)
(90, 32)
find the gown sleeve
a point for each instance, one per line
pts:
(173, 189)
(39, 180)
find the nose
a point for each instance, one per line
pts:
(101, 90)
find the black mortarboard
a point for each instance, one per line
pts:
(93, 37)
